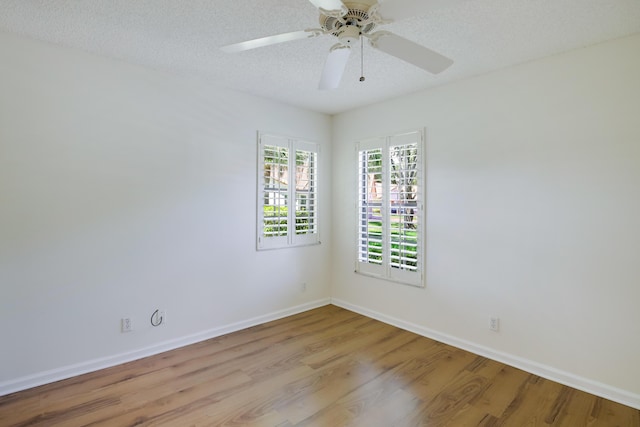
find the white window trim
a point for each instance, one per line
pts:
(291, 239)
(385, 271)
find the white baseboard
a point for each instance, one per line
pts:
(599, 389)
(53, 375)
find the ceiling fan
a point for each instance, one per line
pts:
(351, 21)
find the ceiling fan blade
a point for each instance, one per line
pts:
(401, 9)
(334, 67)
(268, 41)
(411, 52)
(331, 7)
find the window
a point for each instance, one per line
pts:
(390, 207)
(287, 192)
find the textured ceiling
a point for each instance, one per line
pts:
(185, 36)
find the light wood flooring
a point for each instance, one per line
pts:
(325, 367)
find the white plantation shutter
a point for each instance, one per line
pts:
(305, 189)
(273, 191)
(371, 202)
(391, 208)
(405, 231)
(287, 192)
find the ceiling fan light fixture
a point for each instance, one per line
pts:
(349, 35)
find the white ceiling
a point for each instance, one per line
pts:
(184, 36)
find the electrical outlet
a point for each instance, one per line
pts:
(494, 324)
(126, 325)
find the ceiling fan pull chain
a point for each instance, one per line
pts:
(362, 59)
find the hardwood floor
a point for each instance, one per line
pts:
(325, 367)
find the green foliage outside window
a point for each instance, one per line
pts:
(402, 244)
(275, 221)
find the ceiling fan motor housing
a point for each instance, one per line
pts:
(356, 22)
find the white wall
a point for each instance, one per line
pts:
(533, 207)
(123, 190)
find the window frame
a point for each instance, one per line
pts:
(381, 267)
(292, 237)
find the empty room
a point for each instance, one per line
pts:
(320, 213)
